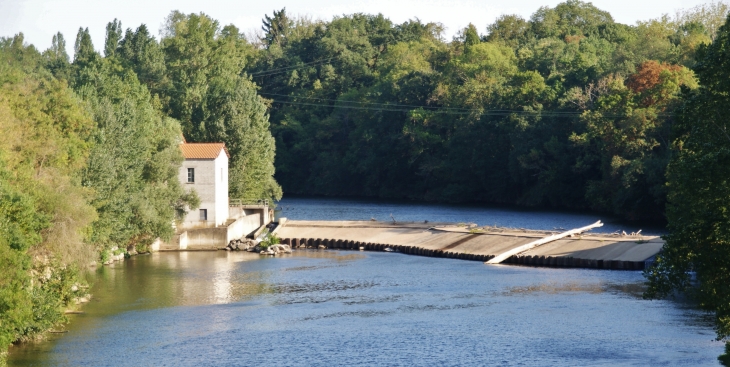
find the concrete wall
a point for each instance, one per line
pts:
(212, 238)
(211, 184)
(177, 242)
(221, 188)
(207, 238)
(243, 226)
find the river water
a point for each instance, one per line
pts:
(327, 307)
(354, 209)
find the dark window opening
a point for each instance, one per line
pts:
(203, 214)
(191, 174)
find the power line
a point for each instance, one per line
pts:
(368, 103)
(290, 68)
(482, 113)
(395, 107)
(388, 107)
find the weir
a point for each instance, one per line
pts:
(597, 251)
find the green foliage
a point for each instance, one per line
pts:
(18, 231)
(215, 103)
(697, 210)
(113, 36)
(538, 112)
(133, 165)
(44, 210)
(725, 358)
(567, 109)
(276, 28)
(269, 239)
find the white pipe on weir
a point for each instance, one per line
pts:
(506, 255)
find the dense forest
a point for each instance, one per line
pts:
(566, 109)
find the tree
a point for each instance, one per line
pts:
(44, 210)
(699, 192)
(113, 36)
(83, 47)
(276, 28)
(58, 49)
(508, 29)
(711, 15)
(570, 18)
(471, 36)
(134, 162)
(56, 57)
(141, 52)
(215, 103)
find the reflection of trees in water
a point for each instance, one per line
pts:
(177, 279)
(187, 279)
(632, 289)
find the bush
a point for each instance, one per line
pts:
(725, 358)
(270, 239)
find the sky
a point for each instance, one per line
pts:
(39, 20)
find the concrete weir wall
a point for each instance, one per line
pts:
(599, 251)
(243, 226)
(213, 238)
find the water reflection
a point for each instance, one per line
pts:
(303, 208)
(634, 290)
(350, 307)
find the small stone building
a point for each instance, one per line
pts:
(205, 169)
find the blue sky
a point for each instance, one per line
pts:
(40, 19)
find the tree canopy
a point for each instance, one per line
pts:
(567, 109)
(699, 192)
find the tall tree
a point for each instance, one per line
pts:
(276, 28)
(83, 47)
(56, 57)
(141, 51)
(471, 35)
(58, 48)
(113, 36)
(215, 102)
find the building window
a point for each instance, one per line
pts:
(203, 214)
(191, 174)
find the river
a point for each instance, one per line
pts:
(327, 307)
(503, 216)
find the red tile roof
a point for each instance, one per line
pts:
(203, 150)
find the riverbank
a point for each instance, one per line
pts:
(599, 251)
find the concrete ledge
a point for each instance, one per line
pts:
(599, 251)
(537, 261)
(212, 238)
